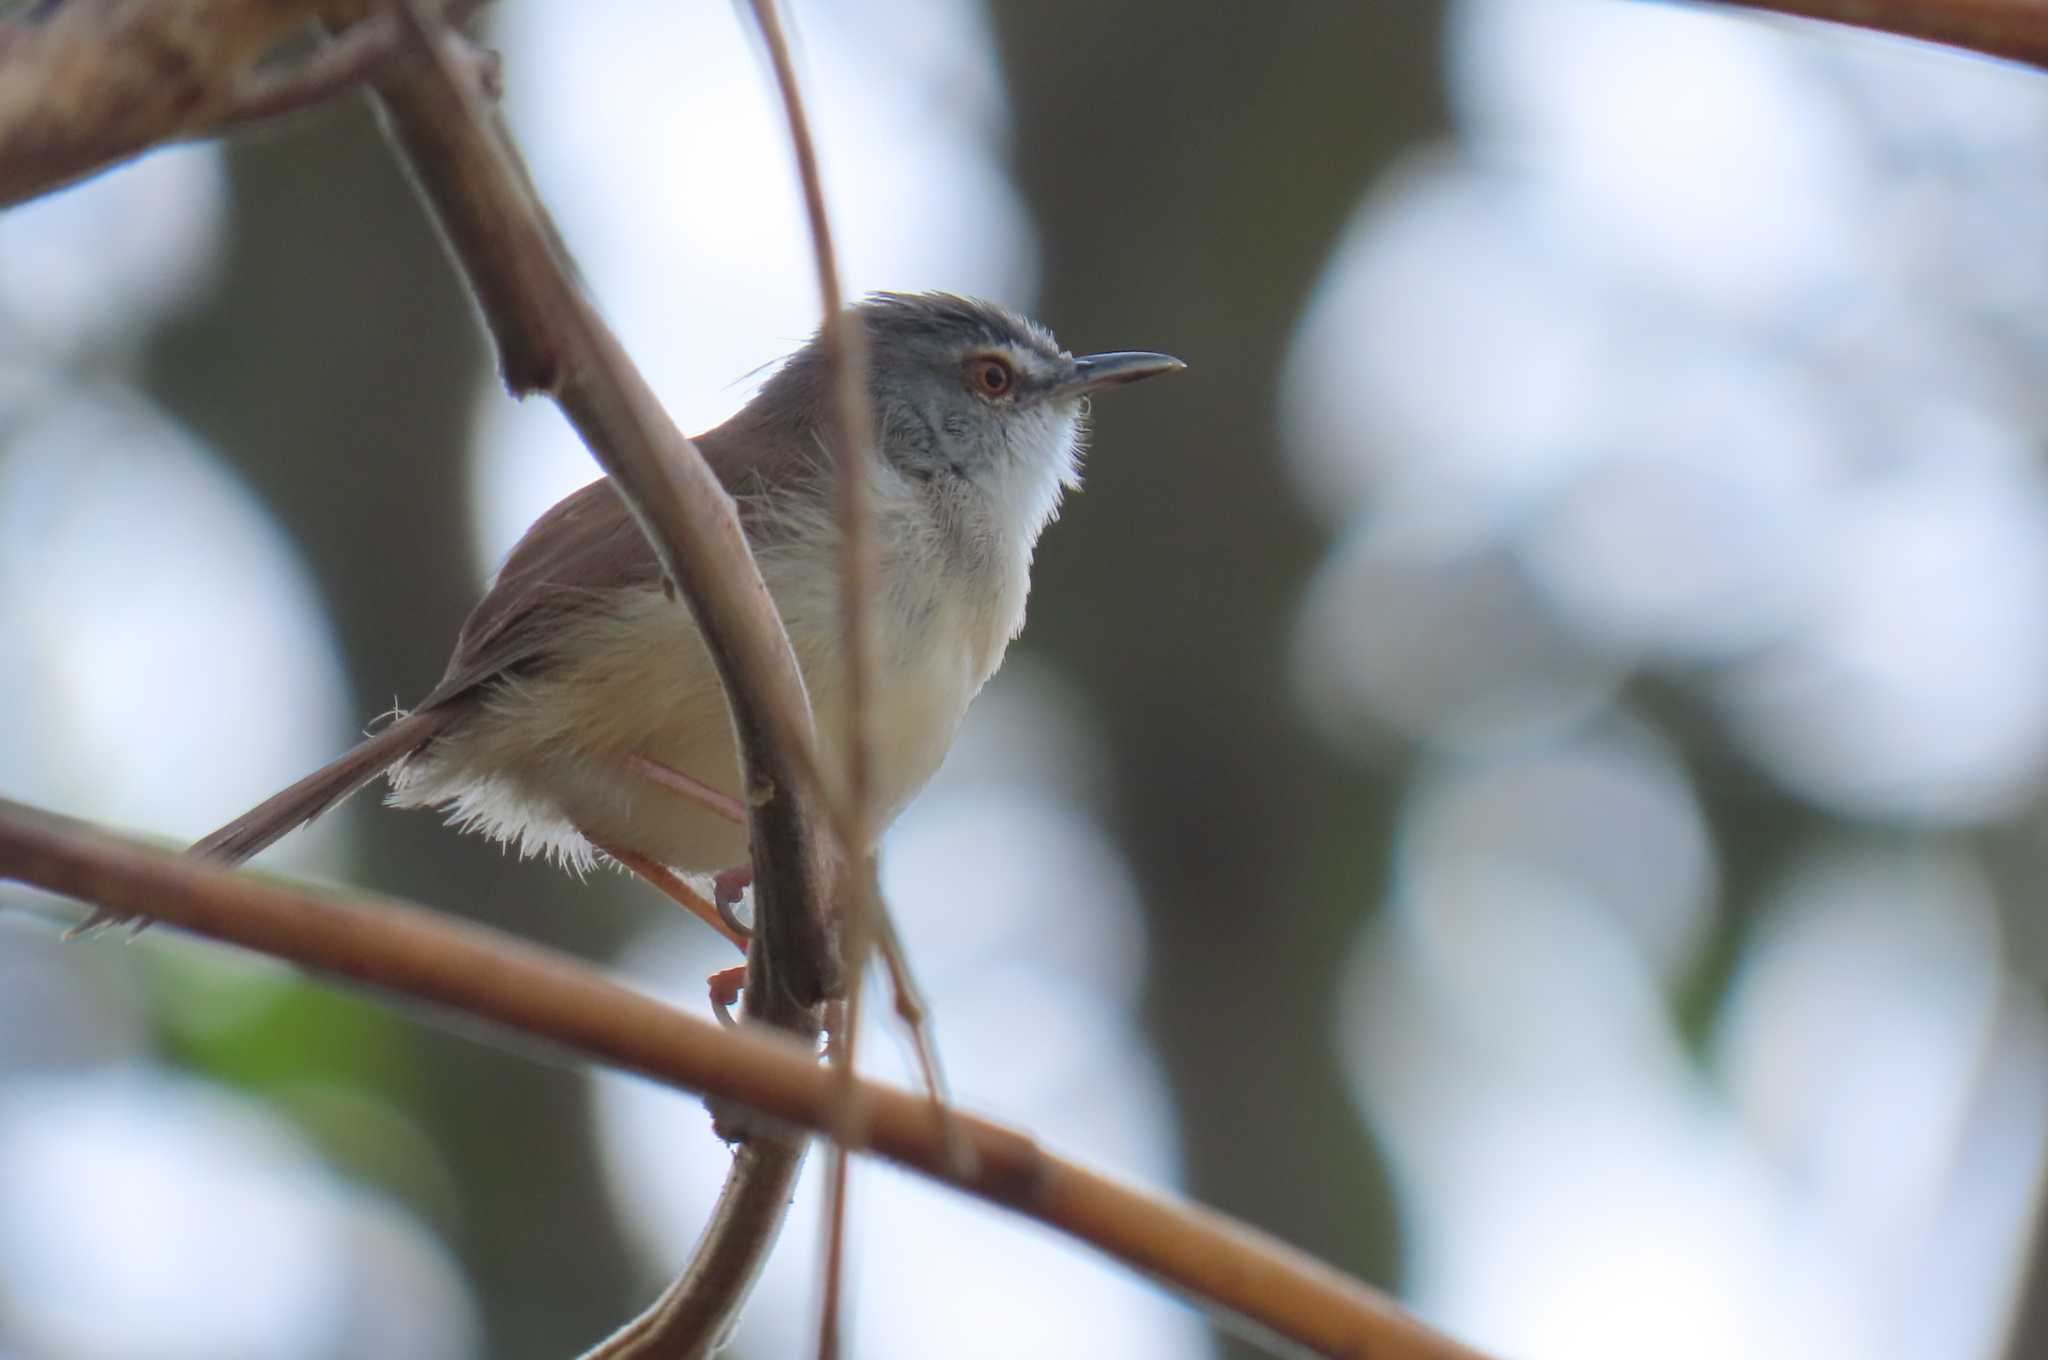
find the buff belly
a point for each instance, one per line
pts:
(544, 762)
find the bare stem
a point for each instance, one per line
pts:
(847, 1124)
(845, 346)
(1238, 1273)
(691, 1315)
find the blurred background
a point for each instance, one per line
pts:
(1525, 776)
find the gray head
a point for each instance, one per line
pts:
(971, 398)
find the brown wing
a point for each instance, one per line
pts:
(586, 543)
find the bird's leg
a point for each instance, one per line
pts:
(726, 983)
(105, 920)
(727, 884)
(725, 992)
(690, 787)
(670, 884)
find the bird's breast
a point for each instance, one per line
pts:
(934, 648)
(939, 622)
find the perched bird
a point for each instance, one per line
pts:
(580, 715)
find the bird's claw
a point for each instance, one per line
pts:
(726, 985)
(728, 887)
(103, 920)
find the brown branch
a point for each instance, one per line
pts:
(1235, 1271)
(98, 81)
(2016, 30)
(700, 1305)
(551, 340)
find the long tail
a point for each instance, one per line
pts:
(285, 812)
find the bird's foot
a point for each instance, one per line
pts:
(728, 886)
(670, 884)
(726, 985)
(690, 787)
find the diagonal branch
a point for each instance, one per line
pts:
(551, 340)
(1243, 1276)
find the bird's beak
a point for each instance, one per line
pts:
(1092, 371)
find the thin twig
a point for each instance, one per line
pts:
(845, 348)
(915, 1015)
(848, 1127)
(1239, 1273)
(848, 1124)
(2016, 30)
(846, 352)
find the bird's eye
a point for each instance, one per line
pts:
(990, 376)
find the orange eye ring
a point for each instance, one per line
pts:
(990, 376)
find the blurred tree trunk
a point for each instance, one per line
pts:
(1190, 168)
(337, 368)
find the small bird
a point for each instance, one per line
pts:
(580, 715)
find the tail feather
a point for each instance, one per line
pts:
(285, 812)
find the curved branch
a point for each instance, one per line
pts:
(550, 339)
(1235, 1271)
(699, 1308)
